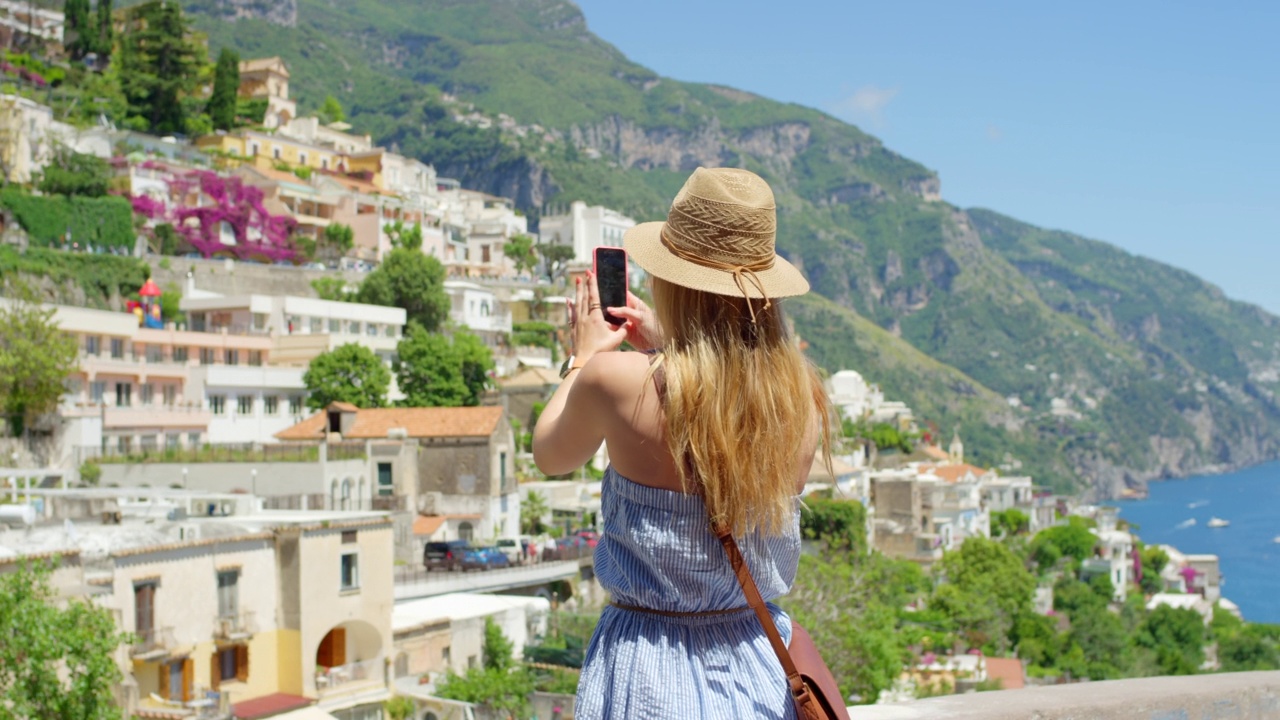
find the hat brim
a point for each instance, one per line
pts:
(643, 244)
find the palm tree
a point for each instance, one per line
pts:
(532, 509)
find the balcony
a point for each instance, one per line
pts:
(349, 676)
(152, 642)
(156, 416)
(234, 626)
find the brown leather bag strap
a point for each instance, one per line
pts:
(743, 573)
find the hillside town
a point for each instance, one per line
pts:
(265, 550)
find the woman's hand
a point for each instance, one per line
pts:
(590, 331)
(642, 327)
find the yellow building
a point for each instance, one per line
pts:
(254, 614)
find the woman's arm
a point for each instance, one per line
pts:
(571, 427)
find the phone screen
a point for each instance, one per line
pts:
(611, 280)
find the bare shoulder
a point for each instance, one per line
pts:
(616, 373)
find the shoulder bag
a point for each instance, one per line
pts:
(813, 688)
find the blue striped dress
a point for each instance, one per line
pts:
(657, 551)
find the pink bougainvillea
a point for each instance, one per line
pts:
(221, 202)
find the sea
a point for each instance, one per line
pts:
(1177, 513)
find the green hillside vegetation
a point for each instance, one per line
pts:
(1086, 364)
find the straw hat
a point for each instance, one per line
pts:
(719, 238)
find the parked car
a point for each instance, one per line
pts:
(474, 559)
(495, 558)
(591, 536)
(445, 555)
(513, 549)
(571, 547)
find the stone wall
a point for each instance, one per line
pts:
(1238, 696)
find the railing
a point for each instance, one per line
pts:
(337, 676)
(229, 452)
(234, 626)
(151, 640)
(346, 450)
(391, 503)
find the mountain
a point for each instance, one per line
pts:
(1085, 365)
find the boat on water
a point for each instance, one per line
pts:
(1189, 522)
(1218, 522)
(1197, 504)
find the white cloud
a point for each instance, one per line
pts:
(866, 105)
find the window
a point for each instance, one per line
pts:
(170, 393)
(233, 357)
(217, 404)
(354, 328)
(172, 441)
(148, 442)
(255, 358)
(228, 593)
(389, 331)
(97, 390)
(259, 321)
(317, 325)
(154, 355)
(386, 483)
(233, 664)
(324, 163)
(124, 394)
(180, 354)
(465, 531)
(335, 326)
(350, 571)
(244, 405)
(146, 393)
(484, 254)
(348, 537)
(117, 348)
(176, 679)
(371, 330)
(254, 148)
(302, 158)
(275, 153)
(295, 404)
(92, 344)
(193, 440)
(502, 470)
(124, 444)
(270, 405)
(207, 356)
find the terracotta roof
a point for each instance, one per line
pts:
(343, 406)
(375, 423)
(1008, 671)
(427, 524)
(268, 705)
(532, 377)
(935, 452)
(953, 473)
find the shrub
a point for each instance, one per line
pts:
(102, 222)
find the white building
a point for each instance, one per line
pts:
(585, 228)
(479, 309)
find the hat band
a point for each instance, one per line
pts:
(745, 270)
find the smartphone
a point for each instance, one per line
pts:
(611, 280)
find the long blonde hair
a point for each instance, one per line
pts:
(740, 403)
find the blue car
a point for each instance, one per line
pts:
(494, 558)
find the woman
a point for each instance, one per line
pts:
(719, 418)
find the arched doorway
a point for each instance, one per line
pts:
(349, 653)
(346, 494)
(465, 531)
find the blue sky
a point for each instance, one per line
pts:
(1152, 126)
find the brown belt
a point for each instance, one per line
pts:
(677, 613)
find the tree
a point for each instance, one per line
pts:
(499, 683)
(1007, 523)
(1177, 635)
(841, 524)
(337, 239)
(1072, 539)
(106, 35)
(986, 589)
(351, 373)
(437, 371)
(403, 236)
(80, 35)
(158, 66)
(331, 110)
(332, 288)
(556, 258)
(226, 89)
(35, 357)
(532, 509)
(72, 173)
(520, 251)
(399, 708)
(1153, 560)
(410, 280)
(56, 659)
(848, 605)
